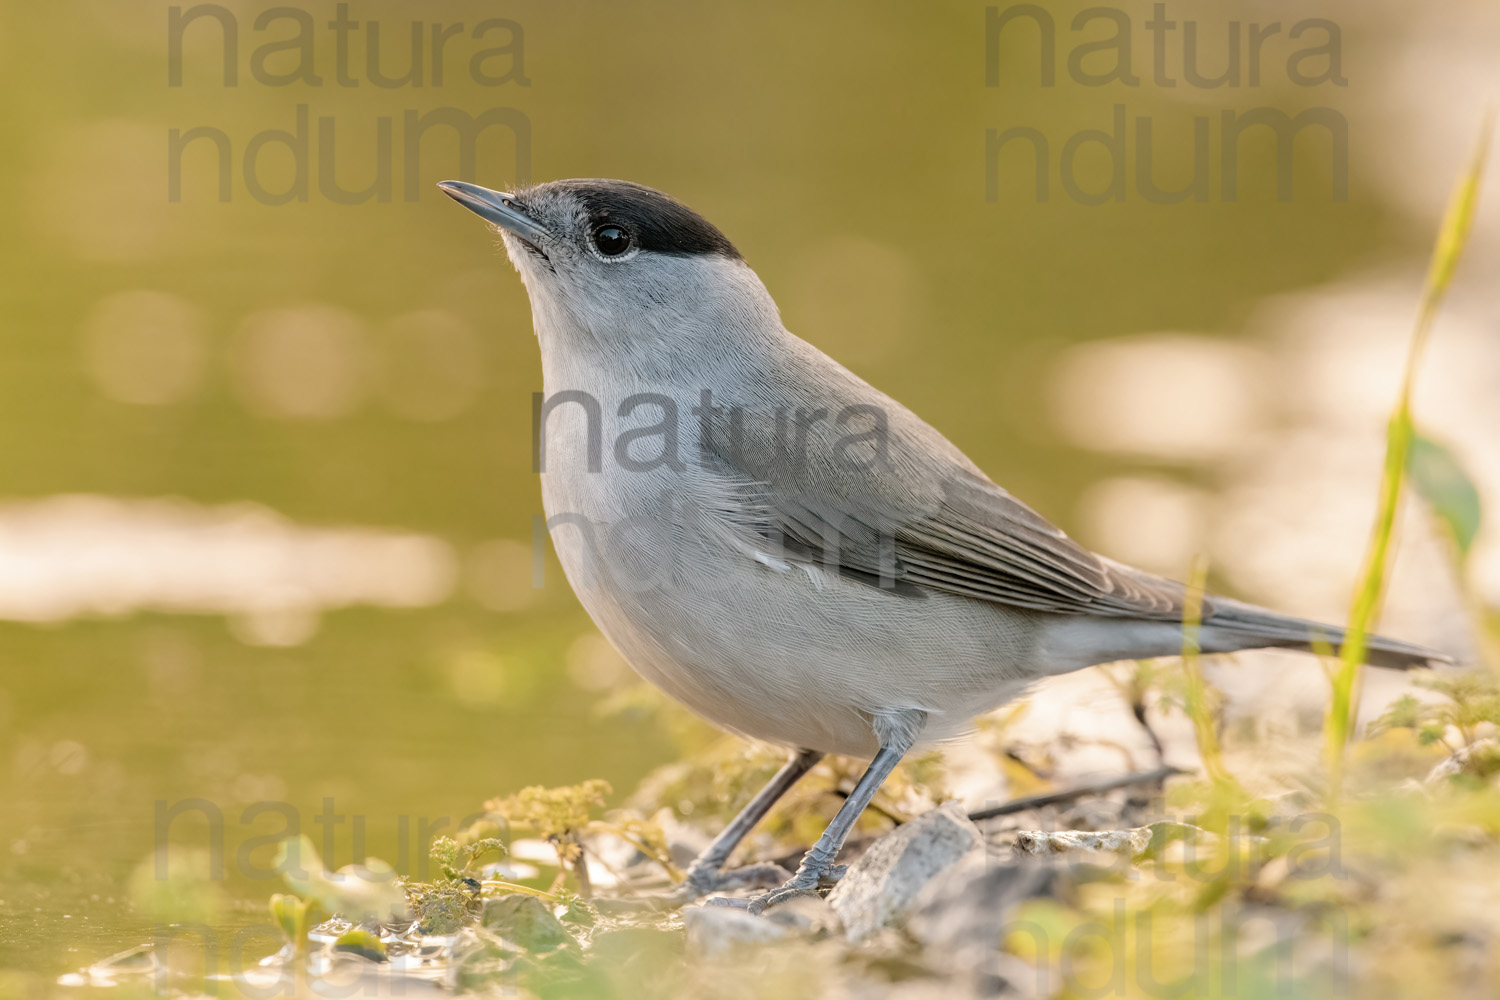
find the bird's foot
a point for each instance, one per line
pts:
(706, 882)
(809, 878)
(701, 881)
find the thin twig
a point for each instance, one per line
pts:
(1078, 791)
(1138, 709)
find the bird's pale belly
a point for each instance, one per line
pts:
(790, 654)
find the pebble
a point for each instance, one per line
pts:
(880, 887)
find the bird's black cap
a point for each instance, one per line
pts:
(656, 221)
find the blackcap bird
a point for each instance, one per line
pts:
(783, 548)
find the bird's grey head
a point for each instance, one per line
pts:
(621, 267)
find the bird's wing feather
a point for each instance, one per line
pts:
(908, 512)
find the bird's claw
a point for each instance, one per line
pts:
(701, 882)
(807, 879)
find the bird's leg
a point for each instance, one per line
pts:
(897, 733)
(706, 874)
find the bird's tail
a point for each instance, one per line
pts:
(1234, 625)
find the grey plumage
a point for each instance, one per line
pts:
(779, 545)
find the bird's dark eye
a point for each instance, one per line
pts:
(611, 240)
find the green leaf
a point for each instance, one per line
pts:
(1441, 480)
(354, 891)
(285, 909)
(1404, 713)
(479, 848)
(361, 942)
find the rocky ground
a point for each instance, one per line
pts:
(1245, 879)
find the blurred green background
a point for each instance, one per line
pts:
(370, 366)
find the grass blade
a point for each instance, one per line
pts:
(1204, 729)
(1452, 237)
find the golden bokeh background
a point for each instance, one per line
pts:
(266, 499)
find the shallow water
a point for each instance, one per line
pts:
(364, 723)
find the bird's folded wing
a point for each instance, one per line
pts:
(984, 543)
(917, 517)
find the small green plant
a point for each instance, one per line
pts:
(368, 891)
(645, 836)
(1221, 801)
(455, 859)
(456, 896)
(296, 916)
(443, 905)
(559, 815)
(1196, 699)
(1469, 709)
(451, 900)
(1400, 435)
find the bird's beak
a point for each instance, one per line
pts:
(498, 207)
